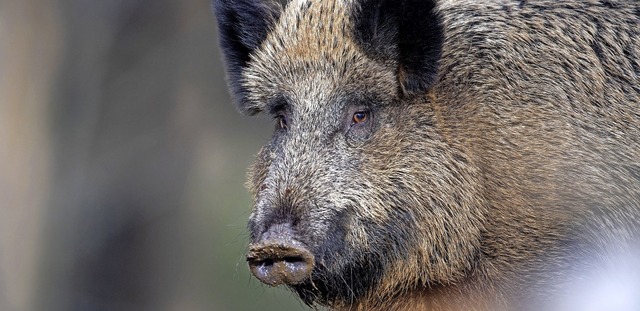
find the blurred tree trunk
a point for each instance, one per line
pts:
(30, 48)
(121, 157)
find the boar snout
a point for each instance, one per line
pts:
(278, 258)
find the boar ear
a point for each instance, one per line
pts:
(409, 32)
(243, 25)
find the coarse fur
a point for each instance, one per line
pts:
(500, 158)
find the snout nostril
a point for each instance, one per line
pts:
(280, 262)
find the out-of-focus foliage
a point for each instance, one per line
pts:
(122, 161)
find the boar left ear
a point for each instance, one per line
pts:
(409, 32)
(243, 26)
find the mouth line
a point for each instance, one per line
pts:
(280, 260)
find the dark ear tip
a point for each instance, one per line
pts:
(408, 31)
(243, 25)
(219, 7)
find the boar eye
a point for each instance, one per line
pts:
(360, 117)
(359, 124)
(281, 121)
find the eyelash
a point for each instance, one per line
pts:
(281, 121)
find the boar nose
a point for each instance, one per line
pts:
(279, 258)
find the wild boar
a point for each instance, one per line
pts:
(439, 155)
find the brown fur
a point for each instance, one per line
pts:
(517, 171)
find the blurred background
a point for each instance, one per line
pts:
(122, 161)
